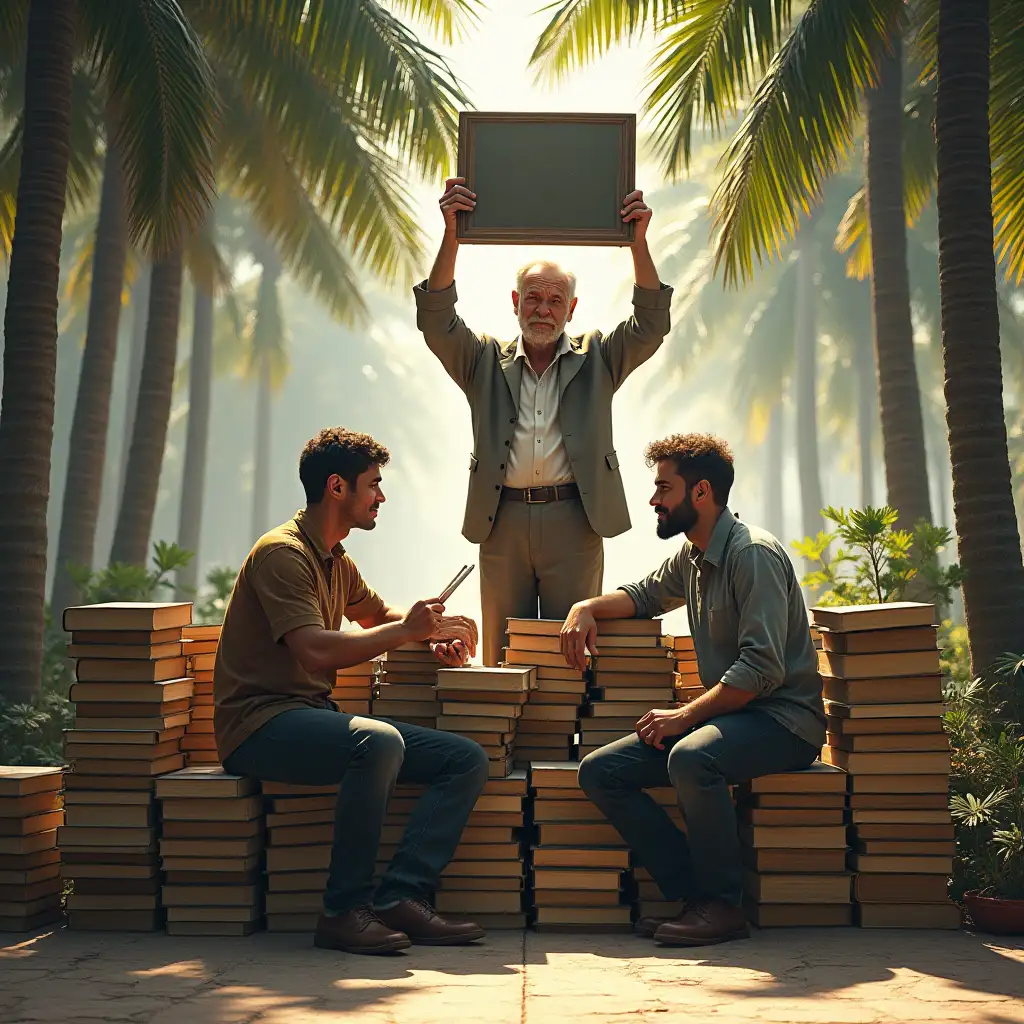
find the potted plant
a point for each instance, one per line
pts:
(983, 722)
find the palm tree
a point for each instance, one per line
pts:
(986, 526)
(148, 57)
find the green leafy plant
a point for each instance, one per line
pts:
(120, 581)
(877, 563)
(219, 581)
(987, 780)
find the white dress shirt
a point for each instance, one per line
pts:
(537, 455)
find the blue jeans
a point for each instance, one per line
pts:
(367, 756)
(706, 862)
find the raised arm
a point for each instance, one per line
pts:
(635, 340)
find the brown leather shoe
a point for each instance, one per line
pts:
(647, 926)
(704, 924)
(358, 931)
(425, 927)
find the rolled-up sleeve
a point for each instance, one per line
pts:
(635, 340)
(663, 590)
(759, 586)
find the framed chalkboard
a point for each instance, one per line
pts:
(553, 179)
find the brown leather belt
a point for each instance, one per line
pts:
(540, 495)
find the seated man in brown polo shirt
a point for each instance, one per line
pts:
(280, 649)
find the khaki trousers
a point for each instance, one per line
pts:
(538, 561)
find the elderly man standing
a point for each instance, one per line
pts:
(544, 486)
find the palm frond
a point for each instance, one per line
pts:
(581, 30)
(151, 60)
(798, 128)
(448, 19)
(1007, 134)
(711, 56)
(13, 31)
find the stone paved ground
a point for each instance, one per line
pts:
(807, 976)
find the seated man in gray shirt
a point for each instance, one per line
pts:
(762, 710)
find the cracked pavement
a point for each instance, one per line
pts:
(799, 976)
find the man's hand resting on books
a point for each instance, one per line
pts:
(454, 641)
(656, 726)
(577, 636)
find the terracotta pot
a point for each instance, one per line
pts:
(995, 915)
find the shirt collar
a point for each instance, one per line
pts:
(561, 349)
(720, 537)
(311, 534)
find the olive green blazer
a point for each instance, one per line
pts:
(588, 375)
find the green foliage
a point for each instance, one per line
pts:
(209, 610)
(879, 563)
(987, 780)
(120, 581)
(954, 653)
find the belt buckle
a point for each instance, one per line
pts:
(529, 496)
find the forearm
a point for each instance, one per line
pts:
(645, 273)
(616, 605)
(332, 649)
(719, 700)
(442, 274)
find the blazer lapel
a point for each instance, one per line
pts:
(513, 370)
(568, 366)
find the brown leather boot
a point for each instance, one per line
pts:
(704, 924)
(647, 926)
(425, 927)
(358, 931)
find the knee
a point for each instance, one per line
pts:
(594, 773)
(689, 765)
(382, 746)
(472, 761)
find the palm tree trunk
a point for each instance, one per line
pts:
(30, 350)
(152, 412)
(261, 475)
(193, 483)
(988, 541)
(806, 381)
(140, 313)
(906, 463)
(773, 451)
(267, 341)
(864, 366)
(87, 453)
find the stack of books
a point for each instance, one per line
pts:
(407, 681)
(650, 902)
(300, 832)
(200, 647)
(794, 837)
(484, 704)
(578, 862)
(31, 811)
(354, 688)
(211, 852)
(131, 702)
(686, 684)
(484, 881)
(631, 675)
(550, 720)
(883, 690)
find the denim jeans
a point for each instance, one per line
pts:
(706, 862)
(367, 756)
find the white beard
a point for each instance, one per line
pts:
(534, 334)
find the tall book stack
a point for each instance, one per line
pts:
(631, 674)
(686, 684)
(578, 862)
(794, 838)
(550, 719)
(30, 813)
(484, 704)
(883, 701)
(131, 705)
(211, 852)
(484, 881)
(200, 646)
(300, 832)
(649, 899)
(407, 681)
(354, 686)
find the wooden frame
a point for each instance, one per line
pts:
(598, 228)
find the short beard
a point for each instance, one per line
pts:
(678, 520)
(537, 337)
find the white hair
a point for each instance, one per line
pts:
(542, 265)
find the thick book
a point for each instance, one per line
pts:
(798, 915)
(110, 670)
(910, 864)
(150, 693)
(900, 710)
(817, 778)
(883, 742)
(894, 615)
(129, 638)
(129, 652)
(925, 689)
(204, 782)
(24, 781)
(127, 615)
(580, 857)
(784, 861)
(878, 666)
(880, 641)
(827, 837)
(802, 888)
(909, 915)
(900, 888)
(926, 763)
(659, 666)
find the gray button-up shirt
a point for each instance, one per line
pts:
(747, 618)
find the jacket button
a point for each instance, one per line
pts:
(497, 487)
(490, 519)
(502, 466)
(507, 443)
(512, 420)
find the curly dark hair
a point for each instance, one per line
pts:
(697, 457)
(341, 451)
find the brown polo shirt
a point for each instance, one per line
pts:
(289, 580)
